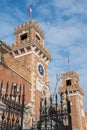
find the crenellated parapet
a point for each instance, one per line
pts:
(29, 35)
(28, 32)
(70, 81)
(70, 77)
(26, 26)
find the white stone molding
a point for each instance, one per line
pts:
(38, 52)
(42, 55)
(45, 58)
(19, 52)
(32, 48)
(13, 54)
(47, 62)
(25, 49)
(39, 85)
(27, 53)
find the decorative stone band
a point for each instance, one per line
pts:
(31, 48)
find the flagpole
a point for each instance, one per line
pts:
(30, 16)
(68, 63)
(30, 11)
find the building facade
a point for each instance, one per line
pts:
(26, 62)
(70, 82)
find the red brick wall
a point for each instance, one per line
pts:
(6, 74)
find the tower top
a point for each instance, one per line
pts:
(27, 26)
(69, 75)
(29, 35)
(70, 81)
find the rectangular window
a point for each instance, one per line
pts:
(24, 36)
(68, 82)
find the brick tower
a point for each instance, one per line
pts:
(30, 52)
(70, 81)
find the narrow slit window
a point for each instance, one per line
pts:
(38, 37)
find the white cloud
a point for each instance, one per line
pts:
(70, 6)
(67, 36)
(61, 36)
(9, 21)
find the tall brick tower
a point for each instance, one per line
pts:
(30, 52)
(70, 81)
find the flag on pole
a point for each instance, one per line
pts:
(29, 10)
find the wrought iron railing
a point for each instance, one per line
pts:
(12, 115)
(54, 116)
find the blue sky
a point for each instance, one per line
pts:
(64, 23)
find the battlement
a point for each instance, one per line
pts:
(70, 78)
(29, 35)
(70, 81)
(70, 74)
(26, 26)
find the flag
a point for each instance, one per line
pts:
(29, 10)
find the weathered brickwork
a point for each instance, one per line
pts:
(20, 62)
(70, 81)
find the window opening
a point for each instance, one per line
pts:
(37, 37)
(68, 82)
(24, 36)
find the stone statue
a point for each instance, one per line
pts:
(46, 94)
(28, 115)
(64, 101)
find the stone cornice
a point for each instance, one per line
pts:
(43, 50)
(3, 47)
(70, 88)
